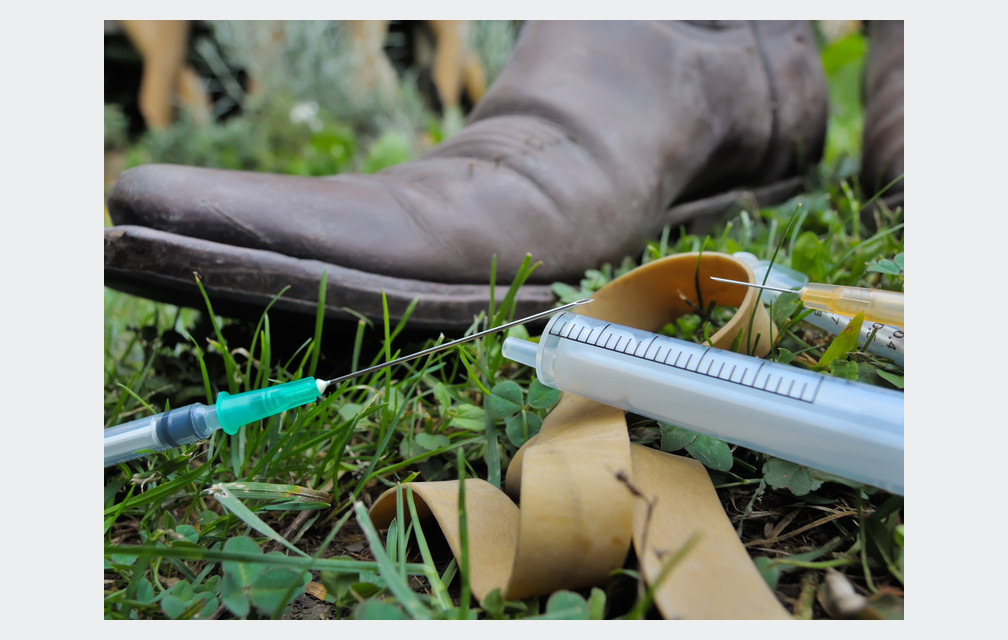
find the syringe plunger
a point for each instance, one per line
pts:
(174, 428)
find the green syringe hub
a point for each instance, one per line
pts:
(235, 411)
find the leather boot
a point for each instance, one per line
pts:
(882, 145)
(594, 137)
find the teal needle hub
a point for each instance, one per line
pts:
(235, 411)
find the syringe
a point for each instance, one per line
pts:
(198, 421)
(877, 305)
(881, 339)
(850, 429)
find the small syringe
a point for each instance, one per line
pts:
(879, 338)
(198, 421)
(877, 305)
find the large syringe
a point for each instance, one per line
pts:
(843, 427)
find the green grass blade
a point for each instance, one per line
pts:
(203, 371)
(644, 603)
(111, 518)
(438, 588)
(265, 355)
(319, 321)
(230, 366)
(506, 309)
(492, 456)
(161, 492)
(332, 535)
(243, 513)
(187, 552)
(466, 594)
(401, 532)
(258, 328)
(271, 491)
(396, 585)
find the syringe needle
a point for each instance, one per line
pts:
(757, 286)
(195, 422)
(447, 345)
(877, 305)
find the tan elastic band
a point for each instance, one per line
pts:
(578, 514)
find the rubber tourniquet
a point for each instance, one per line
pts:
(576, 480)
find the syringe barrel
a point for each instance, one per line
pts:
(847, 428)
(173, 428)
(878, 305)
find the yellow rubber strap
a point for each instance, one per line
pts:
(586, 492)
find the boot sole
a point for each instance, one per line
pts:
(242, 282)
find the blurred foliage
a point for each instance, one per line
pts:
(310, 61)
(389, 149)
(843, 62)
(493, 41)
(115, 128)
(290, 97)
(273, 139)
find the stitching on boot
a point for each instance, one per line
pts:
(464, 149)
(258, 236)
(551, 119)
(416, 214)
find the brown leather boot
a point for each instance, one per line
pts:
(882, 146)
(594, 137)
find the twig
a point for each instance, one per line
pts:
(623, 478)
(800, 530)
(298, 522)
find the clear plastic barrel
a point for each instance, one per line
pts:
(174, 428)
(847, 428)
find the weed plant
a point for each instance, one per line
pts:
(272, 522)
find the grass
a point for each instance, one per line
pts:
(271, 523)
